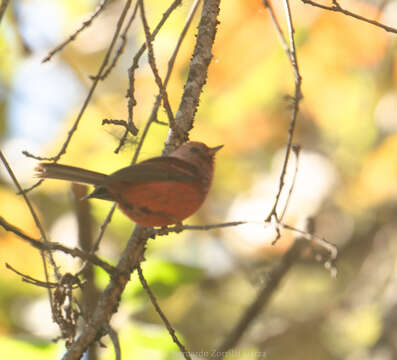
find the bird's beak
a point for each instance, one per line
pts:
(213, 150)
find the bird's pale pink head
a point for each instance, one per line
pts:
(196, 152)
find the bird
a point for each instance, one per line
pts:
(159, 191)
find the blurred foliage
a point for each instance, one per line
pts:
(347, 177)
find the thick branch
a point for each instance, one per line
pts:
(197, 76)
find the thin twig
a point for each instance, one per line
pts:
(179, 228)
(156, 106)
(31, 280)
(41, 230)
(135, 65)
(92, 89)
(102, 229)
(296, 151)
(35, 185)
(297, 98)
(188, 22)
(167, 324)
(308, 235)
(72, 37)
(53, 246)
(262, 299)
(337, 8)
(99, 238)
(268, 4)
(152, 63)
(119, 123)
(331, 248)
(28, 203)
(3, 8)
(121, 48)
(115, 341)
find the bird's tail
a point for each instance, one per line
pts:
(70, 173)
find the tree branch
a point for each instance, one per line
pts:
(133, 253)
(337, 8)
(263, 297)
(197, 75)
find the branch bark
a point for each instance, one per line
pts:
(197, 75)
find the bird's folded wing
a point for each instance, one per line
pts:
(157, 169)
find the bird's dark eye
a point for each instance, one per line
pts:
(194, 150)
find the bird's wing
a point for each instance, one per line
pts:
(165, 168)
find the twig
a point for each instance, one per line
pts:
(102, 229)
(115, 341)
(188, 22)
(152, 62)
(39, 226)
(92, 89)
(156, 106)
(331, 248)
(98, 240)
(30, 280)
(133, 253)
(179, 228)
(121, 48)
(262, 299)
(9, 227)
(167, 324)
(72, 37)
(3, 8)
(123, 123)
(308, 235)
(135, 65)
(268, 4)
(35, 185)
(337, 8)
(53, 246)
(296, 151)
(50, 285)
(297, 98)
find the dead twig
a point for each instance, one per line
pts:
(166, 322)
(337, 8)
(135, 64)
(152, 61)
(72, 37)
(296, 101)
(53, 246)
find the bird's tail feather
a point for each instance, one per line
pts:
(70, 173)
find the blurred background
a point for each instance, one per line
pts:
(346, 180)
